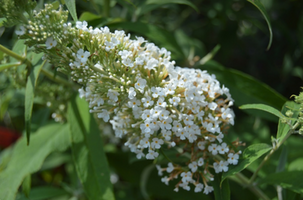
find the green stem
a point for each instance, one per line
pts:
(253, 188)
(273, 150)
(55, 79)
(106, 8)
(16, 56)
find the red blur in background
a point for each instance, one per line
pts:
(7, 137)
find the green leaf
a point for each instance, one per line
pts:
(28, 159)
(249, 155)
(156, 34)
(42, 193)
(282, 159)
(71, 6)
(221, 191)
(26, 185)
(263, 107)
(87, 150)
(244, 88)
(260, 6)
(150, 5)
(289, 180)
(282, 127)
(29, 97)
(296, 165)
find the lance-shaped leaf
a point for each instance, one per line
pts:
(29, 159)
(87, 150)
(263, 107)
(29, 97)
(260, 6)
(71, 6)
(249, 155)
(221, 191)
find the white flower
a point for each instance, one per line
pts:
(151, 64)
(131, 93)
(152, 154)
(82, 55)
(166, 134)
(201, 145)
(147, 101)
(174, 101)
(140, 85)
(170, 167)
(104, 114)
(193, 166)
(81, 25)
(165, 180)
(199, 187)
(186, 177)
(144, 143)
(223, 148)
(208, 189)
(212, 106)
(200, 162)
(157, 143)
(50, 43)
(213, 148)
(233, 158)
(159, 170)
(21, 31)
(223, 165)
(113, 95)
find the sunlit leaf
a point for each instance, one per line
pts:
(87, 150)
(260, 6)
(29, 97)
(263, 107)
(28, 159)
(250, 154)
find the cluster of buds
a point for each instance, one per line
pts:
(134, 85)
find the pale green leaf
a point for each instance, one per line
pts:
(87, 150)
(71, 6)
(8, 65)
(26, 185)
(260, 6)
(263, 107)
(250, 154)
(28, 159)
(29, 97)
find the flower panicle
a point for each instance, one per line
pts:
(135, 86)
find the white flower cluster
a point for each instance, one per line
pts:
(135, 86)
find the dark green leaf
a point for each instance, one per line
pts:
(282, 127)
(156, 34)
(263, 107)
(221, 191)
(87, 150)
(282, 160)
(150, 5)
(71, 6)
(244, 88)
(250, 154)
(296, 165)
(43, 193)
(29, 97)
(260, 6)
(289, 180)
(28, 159)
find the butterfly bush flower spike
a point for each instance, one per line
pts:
(135, 86)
